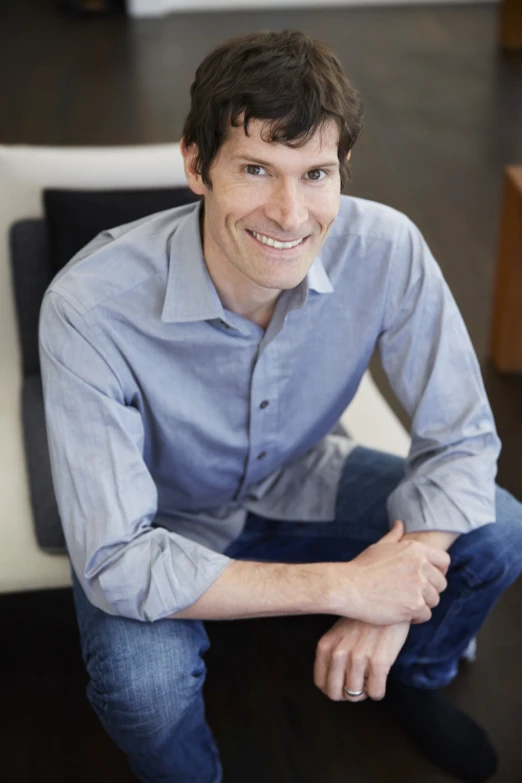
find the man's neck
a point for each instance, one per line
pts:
(259, 313)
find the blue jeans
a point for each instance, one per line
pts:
(146, 678)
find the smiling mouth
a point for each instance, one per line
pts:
(276, 243)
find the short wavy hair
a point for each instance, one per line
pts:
(294, 83)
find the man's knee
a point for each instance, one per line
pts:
(145, 679)
(494, 551)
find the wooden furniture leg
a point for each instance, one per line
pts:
(510, 27)
(506, 325)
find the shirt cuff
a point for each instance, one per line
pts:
(161, 576)
(423, 505)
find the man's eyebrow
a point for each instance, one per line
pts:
(258, 161)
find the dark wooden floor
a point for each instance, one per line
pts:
(444, 115)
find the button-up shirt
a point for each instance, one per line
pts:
(169, 417)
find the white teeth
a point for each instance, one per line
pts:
(275, 243)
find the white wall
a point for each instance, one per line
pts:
(139, 8)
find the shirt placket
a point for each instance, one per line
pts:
(273, 367)
(263, 417)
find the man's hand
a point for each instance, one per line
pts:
(356, 655)
(393, 580)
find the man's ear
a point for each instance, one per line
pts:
(194, 180)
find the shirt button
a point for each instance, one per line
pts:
(261, 455)
(264, 404)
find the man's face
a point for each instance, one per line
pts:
(271, 206)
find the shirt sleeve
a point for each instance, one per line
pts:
(106, 496)
(426, 352)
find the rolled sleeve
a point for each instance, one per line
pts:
(426, 352)
(106, 496)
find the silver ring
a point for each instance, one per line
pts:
(354, 694)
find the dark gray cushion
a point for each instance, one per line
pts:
(47, 523)
(74, 217)
(32, 273)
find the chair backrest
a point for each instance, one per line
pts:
(25, 172)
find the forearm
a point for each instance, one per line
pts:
(252, 589)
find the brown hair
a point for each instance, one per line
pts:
(286, 78)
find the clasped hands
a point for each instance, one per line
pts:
(397, 582)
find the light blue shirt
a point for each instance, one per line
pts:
(170, 417)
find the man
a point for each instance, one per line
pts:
(194, 365)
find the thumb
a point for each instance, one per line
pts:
(395, 533)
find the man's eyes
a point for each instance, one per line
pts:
(319, 174)
(314, 175)
(254, 170)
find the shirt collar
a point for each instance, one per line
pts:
(190, 293)
(317, 278)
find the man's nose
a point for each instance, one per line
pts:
(286, 206)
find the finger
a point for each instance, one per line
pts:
(395, 533)
(322, 658)
(423, 615)
(435, 578)
(355, 676)
(438, 558)
(431, 596)
(378, 671)
(336, 674)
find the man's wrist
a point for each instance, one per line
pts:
(341, 596)
(327, 589)
(439, 539)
